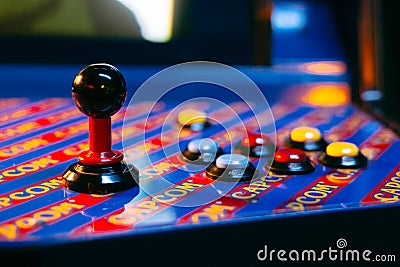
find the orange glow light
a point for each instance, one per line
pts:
(326, 68)
(329, 94)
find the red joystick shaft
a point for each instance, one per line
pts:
(100, 152)
(100, 134)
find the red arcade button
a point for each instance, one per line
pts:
(255, 139)
(287, 155)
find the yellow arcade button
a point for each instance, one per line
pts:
(304, 133)
(341, 149)
(191, 116)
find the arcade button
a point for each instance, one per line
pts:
(99, 91)
(343, 155)
(196, 120)
(291, 161)
(231, 167)
(255, 145)
(307, 139)
(202, 151)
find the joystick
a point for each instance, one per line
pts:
(99, 91)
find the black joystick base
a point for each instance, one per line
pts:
(100, 179)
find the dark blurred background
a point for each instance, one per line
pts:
(125, 31)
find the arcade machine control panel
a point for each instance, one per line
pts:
(103, 178)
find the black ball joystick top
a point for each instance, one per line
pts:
(99, 91)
